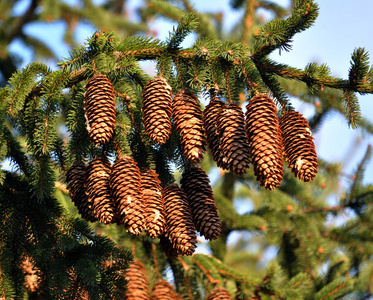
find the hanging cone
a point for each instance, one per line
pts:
(138, 285)
(167, 247)
(233, 143)
(162, 290)
(154, 204)
(219, 293)
(179, 224)
(99, 109)
(75, 178)
(156, 108)
(264, 136)
(32, 274)
(209, 119)
(196, 186)
(98, 190)
(125, 183)
(187, 118)
(299, 149)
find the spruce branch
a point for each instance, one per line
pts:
(186, 25)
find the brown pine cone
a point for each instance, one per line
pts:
(233, 143)
(209, 119)
(99, 109)
(75, 178)
(97, 188)
(187, 118)
(179, 223)
(156, 108)
(299, 149)
(154, 204)
(264, 137)
(125, 183)
(138, 284)
(162, 290)
(196, 186)
(219, 293)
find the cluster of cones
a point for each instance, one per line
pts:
(138, 287)
(123, 194)
(233, 138)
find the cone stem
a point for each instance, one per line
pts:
(156, 266)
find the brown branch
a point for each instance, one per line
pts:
(207, 273)
(248, 21)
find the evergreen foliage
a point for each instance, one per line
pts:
(47, 252)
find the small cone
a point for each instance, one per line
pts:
(187, 117)
(138, 285)
(99, 109)
(233, 143)
(264, 136)
(209, 119)
(125, 182)
(154, 204)
(299, 149)
(98, 190)
(162, 290)
(75, 178)
(32, 274)
(156, 108)
(196, 186)
(179, 224)
(219, 293)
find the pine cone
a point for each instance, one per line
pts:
(233, 143)
(98, 190)
(187, 117)
(196, 186)
(264, 136)
(32, 274)
(299, 149)
(99, 109)
(162, 290)
(209, 119)
(179, 224)
(219, 293)
(156, 108)
(75, 178)
(125, 183)
(138, 285)
(154, 204)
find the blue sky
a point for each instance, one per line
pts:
(342, 26)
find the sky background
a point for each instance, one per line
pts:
(342, 26)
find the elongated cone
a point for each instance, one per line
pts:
(156, 108)
(233, 142)
(138, 284)
(264, 136)
(98, 190)
(162, 290)
(75, 178)
(219, 293)
(99, 109)
(155, 220)
(125, 183)
(209, 120)
(187, 117)
(179, 224)
(196, 185)
(299, 149)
